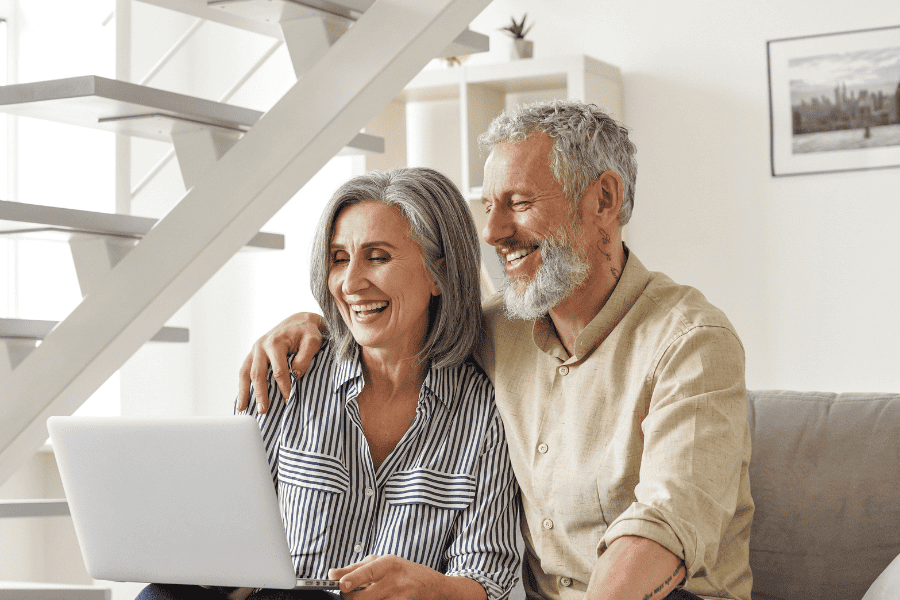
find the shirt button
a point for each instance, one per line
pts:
(564, 370)
(565, 581)
(543, 448)
(548, 524)
(369, 492)
(358, 548)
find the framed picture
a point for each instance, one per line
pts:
(834, 101)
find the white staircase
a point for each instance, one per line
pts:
(239, 167)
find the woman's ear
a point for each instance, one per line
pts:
(435, 288)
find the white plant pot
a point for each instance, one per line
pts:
(513, 49)
(524, 48)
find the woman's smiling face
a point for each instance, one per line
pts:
(378, 279)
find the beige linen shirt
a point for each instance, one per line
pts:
(642, 432)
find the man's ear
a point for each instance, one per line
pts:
(606, 192)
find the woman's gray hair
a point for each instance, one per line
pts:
(440, 222)
(586, 142)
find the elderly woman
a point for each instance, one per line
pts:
(389, 456)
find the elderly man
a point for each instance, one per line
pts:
(622, 392)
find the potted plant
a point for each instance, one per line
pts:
(517, 31)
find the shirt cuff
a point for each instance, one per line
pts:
(652, 526)
(491, 588)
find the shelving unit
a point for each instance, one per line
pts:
(449, 108)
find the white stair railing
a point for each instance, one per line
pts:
(357, 76)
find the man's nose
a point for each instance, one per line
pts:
(498, 226)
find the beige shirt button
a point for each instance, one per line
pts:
(563, 370)
(565, 581)
(548, 524)
(543, 448)
(369, 492)
(358, 548)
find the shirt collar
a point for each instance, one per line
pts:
(634, 279)
(439, 382)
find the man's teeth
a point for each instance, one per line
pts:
(368, 307)
(513, 255)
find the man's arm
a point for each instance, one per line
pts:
(300, 334)
(635, 568)
(695, 448)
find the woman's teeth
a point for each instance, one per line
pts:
(364, 308)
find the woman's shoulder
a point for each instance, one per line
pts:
(323, 360)
(470, 384)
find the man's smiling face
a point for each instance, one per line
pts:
(530, 224)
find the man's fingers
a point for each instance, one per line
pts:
(306, 351)
(243, 397)
(275, 355)
(259, 372)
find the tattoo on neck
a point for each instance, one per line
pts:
(604, 237)
(668, 580)
(615, 273)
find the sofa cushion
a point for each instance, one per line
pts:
(825, 478)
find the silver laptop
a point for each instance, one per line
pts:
(185, 500)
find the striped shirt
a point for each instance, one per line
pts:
(445, 497)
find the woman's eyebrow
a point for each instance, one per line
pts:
(371, 244)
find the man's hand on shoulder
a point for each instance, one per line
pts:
(300, 334)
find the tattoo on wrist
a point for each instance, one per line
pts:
(668, 580)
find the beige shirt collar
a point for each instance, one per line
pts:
(635, 278)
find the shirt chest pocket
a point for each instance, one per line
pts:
(450, 491)
(312, 470)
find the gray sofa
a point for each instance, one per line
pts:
(825, 477)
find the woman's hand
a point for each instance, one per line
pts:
(378, 577)
(301, 334)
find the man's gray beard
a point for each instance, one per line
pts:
(561, 272)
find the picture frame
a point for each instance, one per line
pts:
(834, 101)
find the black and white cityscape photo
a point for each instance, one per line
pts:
(844, 101)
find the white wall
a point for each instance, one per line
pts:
(806, 266)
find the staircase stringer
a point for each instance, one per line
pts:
(361, 73)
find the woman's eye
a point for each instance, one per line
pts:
(337, 259)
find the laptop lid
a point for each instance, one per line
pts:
(173, 500)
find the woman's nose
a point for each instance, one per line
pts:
(354, 277)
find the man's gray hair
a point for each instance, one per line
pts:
(586, 142)
(441, 223)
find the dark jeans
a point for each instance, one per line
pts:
(156, 591)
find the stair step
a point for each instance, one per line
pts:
(136, 110)
(34, 220)
(33, 508)
(19, 590)
(35, 329)
(263, 16)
